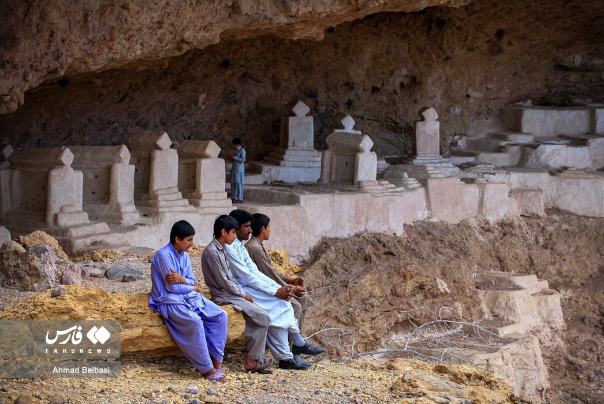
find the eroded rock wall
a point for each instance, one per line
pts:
(41, 40)
(466, 62)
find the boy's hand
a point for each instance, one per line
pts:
(175, 277)
(249, 298)
(299, 281)
(284, 292)
(299, 292)
(196, 287)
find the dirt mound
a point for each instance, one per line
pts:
(369, 283)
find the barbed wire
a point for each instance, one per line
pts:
(444, 340)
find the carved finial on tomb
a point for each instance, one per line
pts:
(297, 108)
(429, 114)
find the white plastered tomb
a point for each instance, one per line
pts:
(201, 175)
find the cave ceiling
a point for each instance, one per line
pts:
(89, 72)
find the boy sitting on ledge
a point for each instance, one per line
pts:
(198, 325)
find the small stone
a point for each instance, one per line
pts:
(211, 392)
(4, 388)
(23, 399)
(57, 291)
(95, 272)
(72, 275)
(171, 389)
(57, 400)
(137, 266)
(147, 394)
(38, 395)
(129, 278)
(117, 273)
(85, 274)
(192, 390)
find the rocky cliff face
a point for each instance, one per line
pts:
(97, 71)
(45, 39)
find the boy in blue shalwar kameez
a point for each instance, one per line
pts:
(198, 325)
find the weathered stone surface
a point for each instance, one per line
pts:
(88, 36)
(142, 329)
(117, 273)
(95, 272)
(434, 382)
(48, 270)
(57, 291)
(4, 235)
(23, 399)
(128, 278)
(72, 275)
(41, 237)
(20, 269)
(57, 400)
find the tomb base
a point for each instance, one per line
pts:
(530, 201)
(66, 219)
(120, 214)
(379, 187)
(436, 161)
(81, 230)
(215, 202)
(166, 200)
(308, 171)
(294, 157)
(397, 173)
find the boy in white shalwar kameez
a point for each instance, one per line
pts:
(266, 293)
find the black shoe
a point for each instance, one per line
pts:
(291, 364)
(307, 349)
(302, 362)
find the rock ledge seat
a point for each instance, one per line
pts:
(143, 330)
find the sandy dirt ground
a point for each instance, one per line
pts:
(372, 284)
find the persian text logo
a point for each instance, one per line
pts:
(74, 333)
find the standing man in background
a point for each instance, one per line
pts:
(237, 171)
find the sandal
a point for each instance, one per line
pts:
(217, 377)
(262, 367)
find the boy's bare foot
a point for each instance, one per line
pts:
(261, 366)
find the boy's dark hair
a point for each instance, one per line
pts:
(236, 141)
(224, 222)
(242, 216)
(259, 222)
(181, 229)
